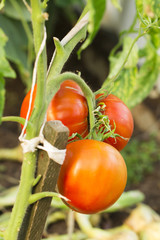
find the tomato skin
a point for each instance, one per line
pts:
(118, 113)
(92, 177)
(25, 104)
(68, 105)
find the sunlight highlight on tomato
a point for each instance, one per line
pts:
(92, 177)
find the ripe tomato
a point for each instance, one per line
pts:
(68, 105)
(119, 114)
(92, 177)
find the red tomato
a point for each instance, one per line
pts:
(25, 104)
(68, 105)
(92, 177)
(119, 114)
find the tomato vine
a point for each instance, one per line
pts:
(48, 83)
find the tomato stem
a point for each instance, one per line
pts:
(40, 108)
(22, 200)
(16, 119)
(38, 34)
(29, 162)
(38, 196)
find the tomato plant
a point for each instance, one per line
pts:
(92, 177)
(120, 117)
(68, 105)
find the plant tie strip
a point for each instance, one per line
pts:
(58, 155)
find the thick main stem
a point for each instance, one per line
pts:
(38, 34)
(29, 162)
(36, 119)
(22, 200)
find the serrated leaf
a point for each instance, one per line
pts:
(96, 12)
(12, 11)
(117, 4)
(124, 85)
(117, 60)
(134, 84)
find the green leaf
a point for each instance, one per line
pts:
(11, 10)
(16, 46)
(118, 59)
(117, 4)
(134, 84)
(5, 69)
(96, 12)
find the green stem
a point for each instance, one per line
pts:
(18, 120)
(38, 196)
(22, 199)
(54, 84)
(29, 162)
(37, 117)
(15, 119)
(38, 34)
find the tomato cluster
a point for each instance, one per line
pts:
(68, 105)
(93, 174)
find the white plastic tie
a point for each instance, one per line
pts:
(40, 142)
(30, 145)
(34, 143)
(54, 153)
(33, 82)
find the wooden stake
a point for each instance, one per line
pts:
(33, 225)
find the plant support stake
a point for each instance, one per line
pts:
(47, 173)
